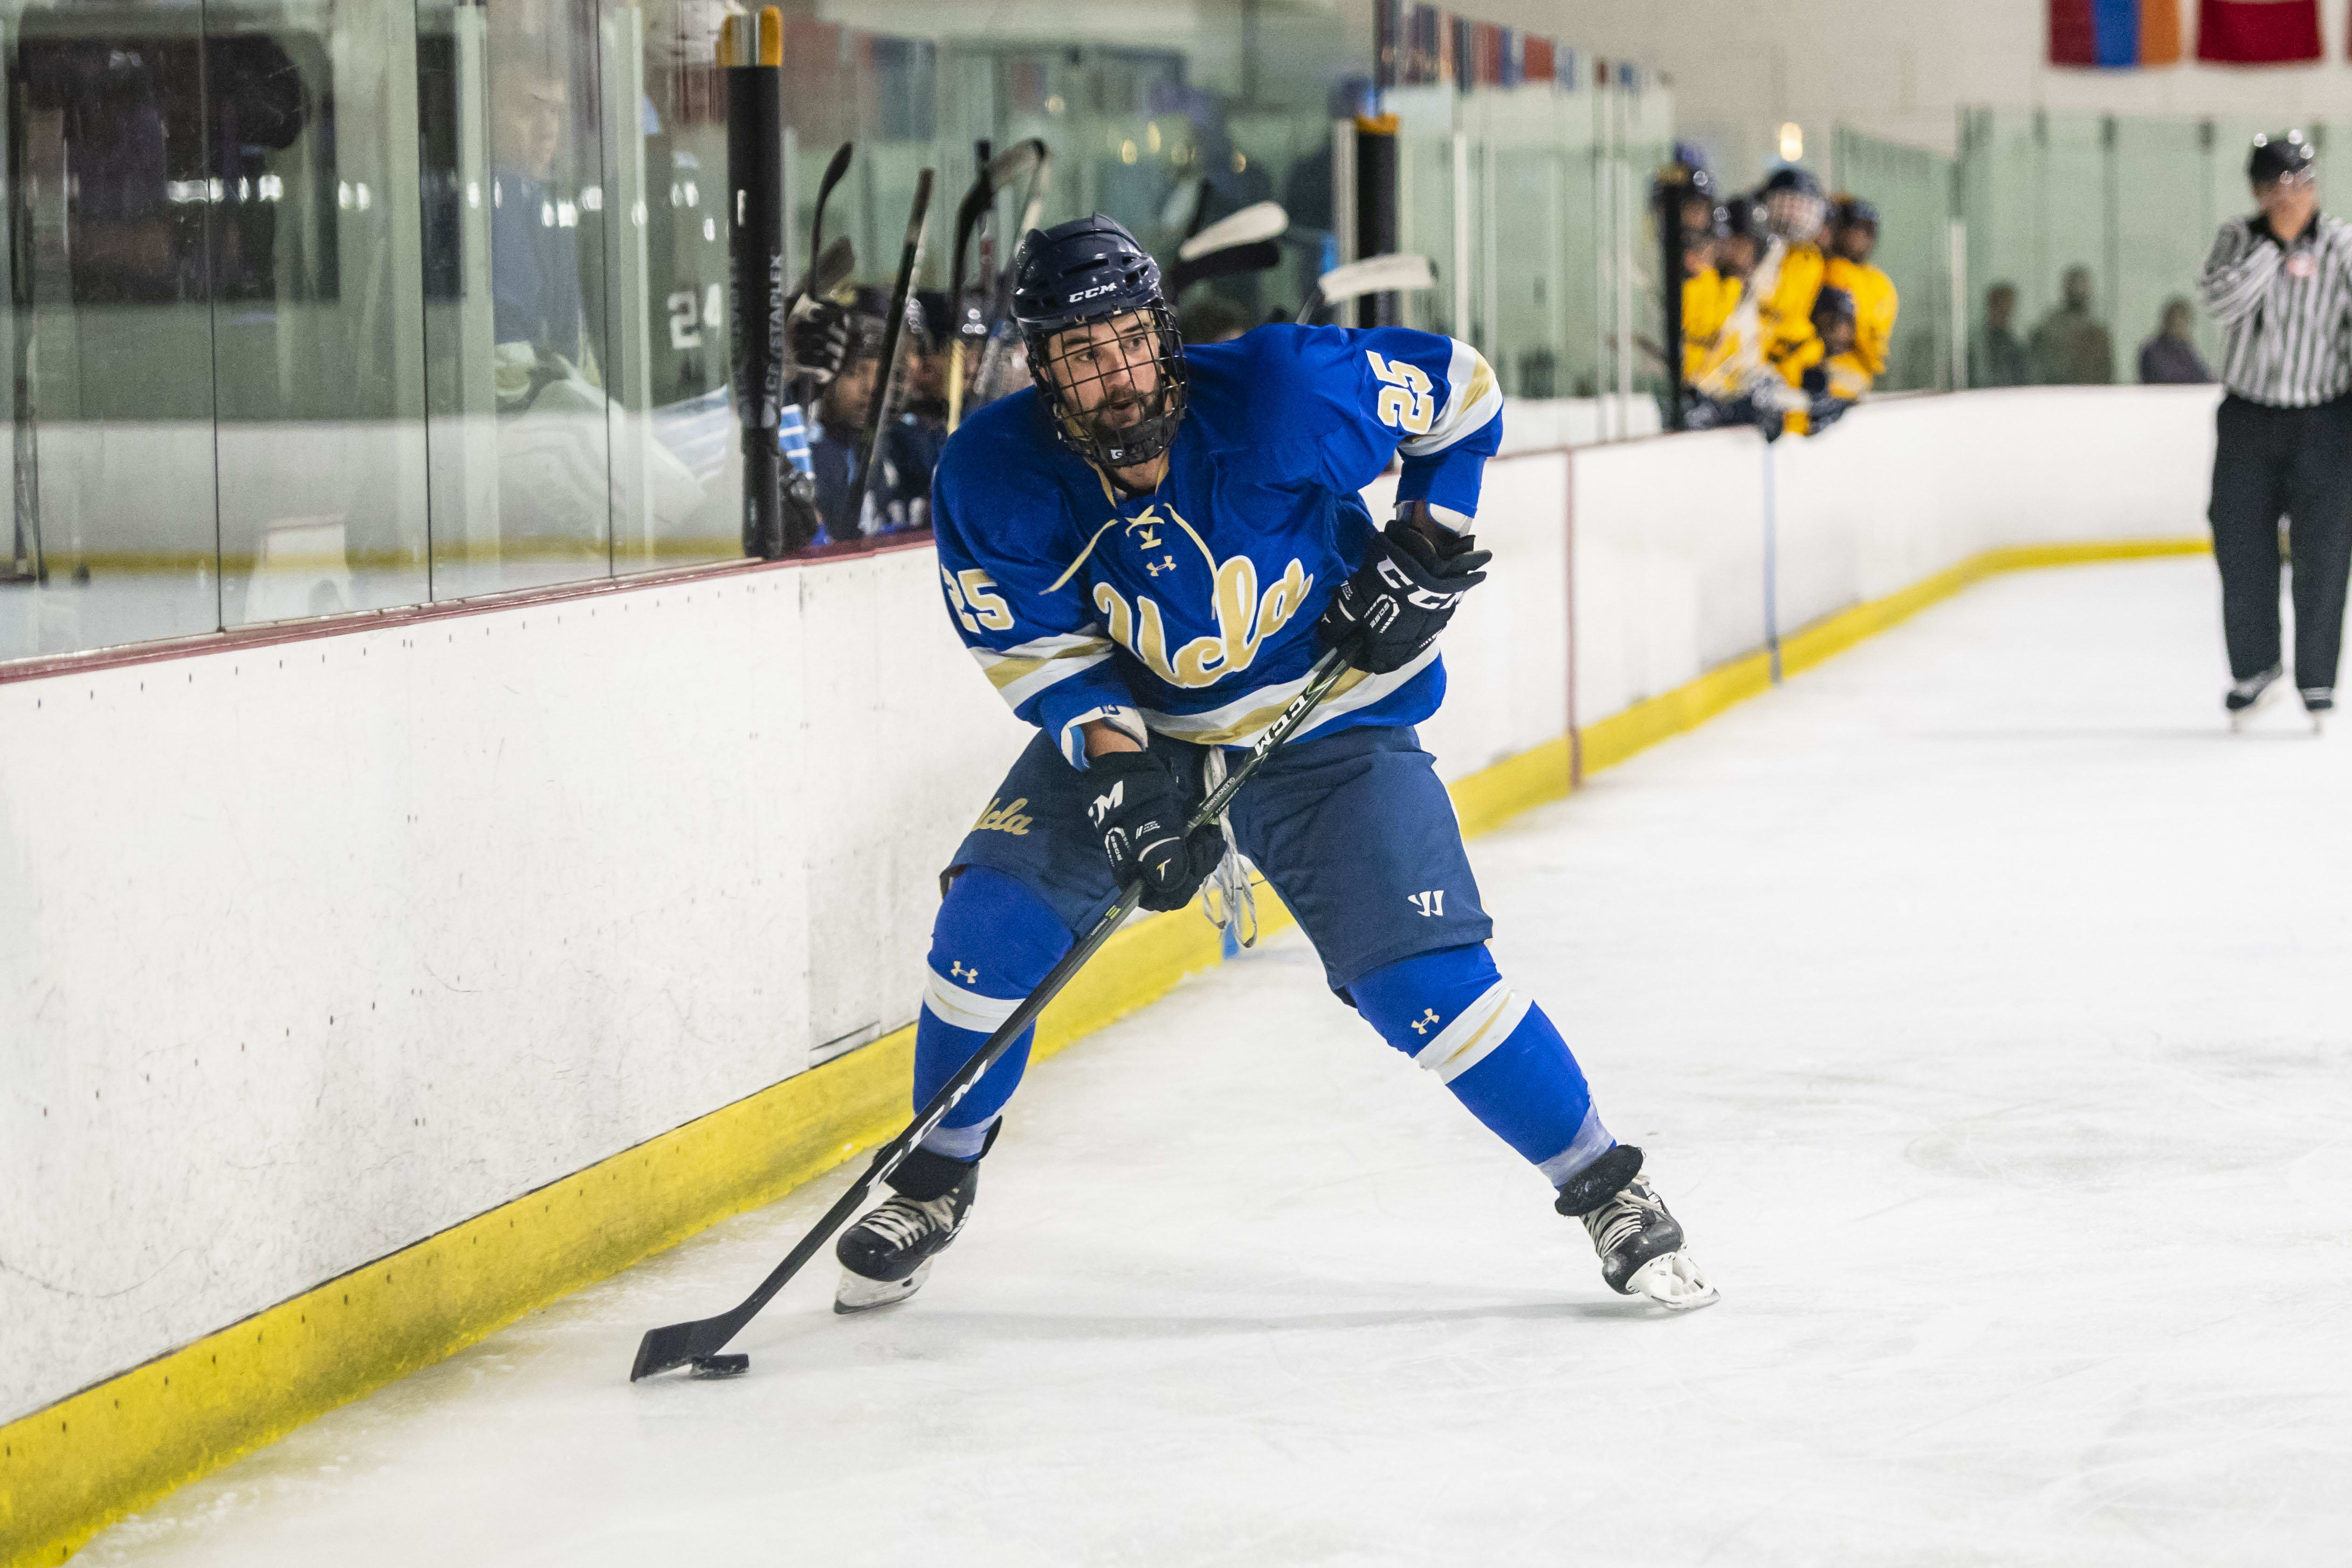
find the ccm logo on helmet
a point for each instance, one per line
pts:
(1090, 293)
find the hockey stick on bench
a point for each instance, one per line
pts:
(700, 1342)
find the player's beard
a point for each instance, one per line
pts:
(1118, 422)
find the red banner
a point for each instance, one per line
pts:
(2258, 32)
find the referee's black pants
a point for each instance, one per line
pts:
(2296, 461)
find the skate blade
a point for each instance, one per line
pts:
(1673, 1281)
(2245, 716)
(856, 1293)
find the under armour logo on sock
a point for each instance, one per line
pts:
(957, 969)
(1428, 1017)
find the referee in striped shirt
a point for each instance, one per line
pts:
(2281, 283)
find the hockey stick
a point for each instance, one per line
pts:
(1032, 206)
(1261, 220)
(1262, 256)
(679, 1344)
(1398, 272)
(995, 173)
(802, 520)
(969, 211)
(894, 329)
(1237, 243)
(801, 527)
(836, 167)
(1041, 180)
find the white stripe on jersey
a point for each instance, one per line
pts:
(1241, 722)
(1020, 673)
(1472, 398)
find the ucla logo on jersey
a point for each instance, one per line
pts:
(1245, 616)
(1005, 819)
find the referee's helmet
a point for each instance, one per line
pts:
(2283, 156)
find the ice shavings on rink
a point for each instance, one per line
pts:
(1982, 1004)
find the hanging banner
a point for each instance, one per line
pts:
(2115, 35)
(2258, 32)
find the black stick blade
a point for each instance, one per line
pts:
(1262, 256)
(672, 1346)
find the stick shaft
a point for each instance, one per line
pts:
(680, 1343)
(893, 331)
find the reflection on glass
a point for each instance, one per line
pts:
(116, 232)
(676, 467)
(522, 475)
(316, 307)
(321, 308)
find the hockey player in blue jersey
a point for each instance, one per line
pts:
(1146, 552)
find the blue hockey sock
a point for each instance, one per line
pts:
(993, 940)
(1451, 1012)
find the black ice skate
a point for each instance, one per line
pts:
(1640, 1244)
(887, 1256)
(2249, 694)
(2319, 701)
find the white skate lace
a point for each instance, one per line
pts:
(1624, 1216)
(902, 1222)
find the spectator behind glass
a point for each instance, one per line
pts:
(534, 261)
(925, 366)
(899, 489)
(1737, 248)
(1997, 357)
(1853, 240)
(2169, 358)
(2071, 347)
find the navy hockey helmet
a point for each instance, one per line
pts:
(1832, 304)
(1103, 345)
(2283, 156)
(1856, 212)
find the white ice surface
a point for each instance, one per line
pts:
(1982, 1006)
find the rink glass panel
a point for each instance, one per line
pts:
(1531, 203)
(2136, 199)
(318, 310)
(112, 241)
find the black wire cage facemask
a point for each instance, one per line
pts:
(1114, 384)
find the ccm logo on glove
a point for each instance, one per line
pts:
(1400, 599)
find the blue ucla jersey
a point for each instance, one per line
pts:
(1190, 611)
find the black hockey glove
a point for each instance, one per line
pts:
(1137, 807)
(1401, 597)
(817, 335)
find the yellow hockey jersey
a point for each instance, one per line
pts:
(1787, 311)
(1708, 300)
(1874, 306)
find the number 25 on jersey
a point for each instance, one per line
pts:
(1405, 402)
